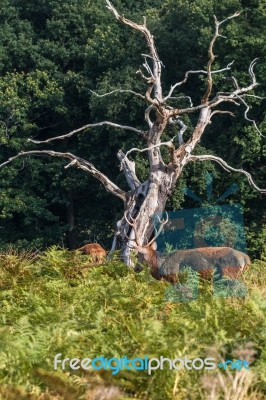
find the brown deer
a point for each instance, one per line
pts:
(95, 250)
(226, 260)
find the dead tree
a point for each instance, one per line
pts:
(146, 199)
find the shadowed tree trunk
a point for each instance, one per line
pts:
(70, 215)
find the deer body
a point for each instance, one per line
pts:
(96, 251)
(204, 260)
(225, 260)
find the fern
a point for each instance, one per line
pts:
(109, 310)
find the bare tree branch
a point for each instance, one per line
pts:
(222, 112)
(72, 133)
(148, 68)
(147, 115)
(253, 95)
(246, 114)
(181, 111)
(235, 97)
(128, 168)
(183, 97)
(221, 98)
(212, 56)
(242, 91)
(181, 155)
(146, 78)
(201, 71)
(231, 97)
(78, 163)
(234, 80)
(178, 121)
(149, 56)
(227, 167)
(118, 91)
(169, 144)
(239, 95)
(156, 73)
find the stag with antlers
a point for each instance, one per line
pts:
(205, 260)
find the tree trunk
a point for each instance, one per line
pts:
(141, 208)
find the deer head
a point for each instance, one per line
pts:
(148, 251)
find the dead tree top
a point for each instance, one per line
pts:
(165, 115)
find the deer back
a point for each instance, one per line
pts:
(95, 250)
(225, 260)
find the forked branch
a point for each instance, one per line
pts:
(198, 72)
(236, 97)
(155, 73)
(212, 56)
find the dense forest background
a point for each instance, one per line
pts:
(54, 53)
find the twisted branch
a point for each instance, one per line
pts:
(155, 74)
(212, 56)
(226, 167)
(72, 133)
(78, 163)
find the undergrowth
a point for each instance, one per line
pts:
(56, 302)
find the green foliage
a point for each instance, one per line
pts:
(56, 302)
(52, 54)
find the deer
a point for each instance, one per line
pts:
(204, 260)
(96, 251)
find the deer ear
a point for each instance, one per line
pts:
(154, 246)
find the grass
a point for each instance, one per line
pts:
(56, 302)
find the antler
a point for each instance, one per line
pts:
(133, 227)
(159, 230)
(133, 224)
